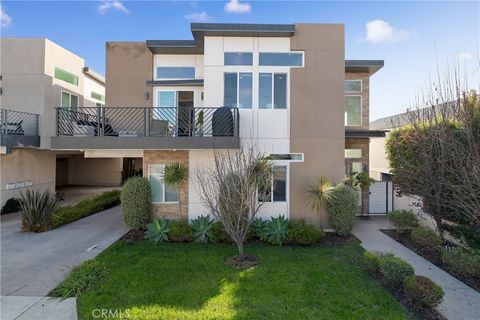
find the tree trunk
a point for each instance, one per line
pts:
(241, 254)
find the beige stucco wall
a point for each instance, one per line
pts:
(94, 171)
(317, 113)
(37, 166)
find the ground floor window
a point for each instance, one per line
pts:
(161, 192)
(277, 191)
(69, 100)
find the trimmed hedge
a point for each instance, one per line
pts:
(422, 291)
(403, 219)
(302, 233)
(427, 238)
(342, 208)
(395, 270)
(463, 261)
(136, 201)
(85, 208)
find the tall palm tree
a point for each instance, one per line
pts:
(176, 174)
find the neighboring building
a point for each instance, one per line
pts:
(36, 76)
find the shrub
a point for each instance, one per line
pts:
(80, 279)
(258, 228)
(403, 219)
(276, 230)
(85, 208)
(36, 209)
(11, 205)
(219, 234)
(202, 229)
(422, 291)
(463, 261)
(371, 260)
(468, 234)
(136, 201)
(301, 233)
(158, 230)
(395, 270)
(427, 238)
(180, 231)
(342, 208)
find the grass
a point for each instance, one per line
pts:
(190, 281)
(85, 208)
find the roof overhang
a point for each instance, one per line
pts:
(94, 75)
(174, 47)
(363, 66)
(358, 134)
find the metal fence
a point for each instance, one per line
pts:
(147, 121)
(18, 123)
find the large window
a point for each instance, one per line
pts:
(272, 91)
(161, 192)
(279, 186)
(66, 76)
(238, 90)
(353, 110)
(288, 59)
(69, 100)
(353, 85)
(175, 72)
(238, 58)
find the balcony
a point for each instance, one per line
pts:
(18, 129)
(179, 128)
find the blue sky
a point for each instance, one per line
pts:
(412, 37)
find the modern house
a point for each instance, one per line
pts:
(36, 75)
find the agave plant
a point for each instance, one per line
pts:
(202, 226)
(320, 192)
(258, 228)
(36, 209)
(276, 230)
(158, 230)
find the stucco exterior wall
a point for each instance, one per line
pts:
(94, 171)
(92, 85)
(26, 165)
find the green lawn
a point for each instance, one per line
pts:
(190, 281)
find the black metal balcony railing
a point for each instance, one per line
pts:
(18, 123)
(148, 121)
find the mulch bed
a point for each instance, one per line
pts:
(133, 235)
(434, 257)
(332, 238)
(249, 261)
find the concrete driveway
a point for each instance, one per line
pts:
(32, 264)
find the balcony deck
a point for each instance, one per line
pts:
(180, 128)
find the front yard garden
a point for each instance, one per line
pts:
(147, 280)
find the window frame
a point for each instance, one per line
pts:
(237, 52)
(302, 53)
(171, 67)
(287, 180)
(361, 86)
(271, 157)
(164, 185)
(58, 72)
(69, 99)
(287, 89)
(237, 103)
(361, 111)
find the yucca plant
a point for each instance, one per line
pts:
(320, 192)
(276, 230)
(202, 226)
(158, 230)
(176, 174)
(36, 209)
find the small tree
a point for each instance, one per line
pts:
(231, 190)
(320, 192)
(176, 174)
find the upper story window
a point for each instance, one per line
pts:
(175, 72)
(98, 96)
(353, 111)
(353, 85)
(272, 91)
(69, 100)
(238, 58)
(353, 153)
(286, 59)
(238, 90)
(66, 76)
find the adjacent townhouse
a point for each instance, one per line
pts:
(37, 75)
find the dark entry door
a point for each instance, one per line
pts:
(185, 113)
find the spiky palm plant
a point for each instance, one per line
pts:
(320, 192)
(36, 209)
(176, 174)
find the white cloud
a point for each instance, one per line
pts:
(5, 19)
(198, 16)
(463, 56)
(105, 6)
(233, 6)
(381, 31)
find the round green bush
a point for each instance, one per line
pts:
(395, 270)
(302, 233)
(180, 231)
(136, 200)
(427, 238)
(463, 261)
(403, 219)
(422, 291)
(342, 208)
(371, 260)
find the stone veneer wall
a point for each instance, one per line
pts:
(365, 77)
(364, 145)
(168, 210)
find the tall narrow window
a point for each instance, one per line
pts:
(161, 192)
(245, 90)
(166, 107)
(238, 90)
(265, 91)
(353, 110)
(276, 98)
(280, 91)
(230, 90)
(278, 185)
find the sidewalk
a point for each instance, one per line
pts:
(33, 308)
(460, 302)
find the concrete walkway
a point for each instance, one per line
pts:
(32, 264)
(460, 302)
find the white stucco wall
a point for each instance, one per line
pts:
(91, 85)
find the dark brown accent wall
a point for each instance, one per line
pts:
(129, 66)
(317, 113)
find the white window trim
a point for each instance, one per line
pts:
(273, 73)
(164, 189)
(281, 163)
(238, 88)
(301, 52)
(361, 110)
(70, 99)
(361, 86)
